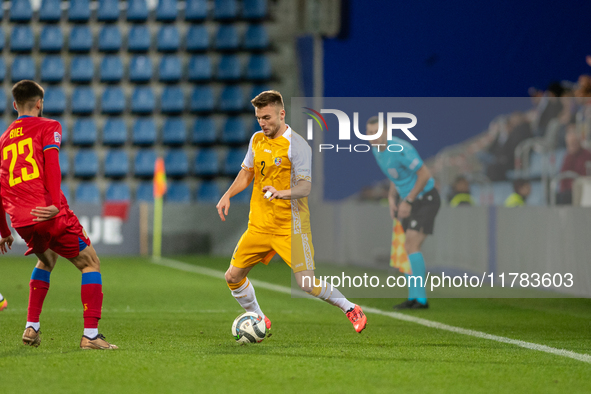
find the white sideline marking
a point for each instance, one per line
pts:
(395, 315)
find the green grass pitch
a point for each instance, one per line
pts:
(173, 330)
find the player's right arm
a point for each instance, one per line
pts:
(392, 196)
(241, 182)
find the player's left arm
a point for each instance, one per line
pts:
(405, 207)
(51, 169)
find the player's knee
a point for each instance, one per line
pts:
(232, 277)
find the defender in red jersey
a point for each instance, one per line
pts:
(30, 193)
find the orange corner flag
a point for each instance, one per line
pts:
(399, 258)
(159, 178)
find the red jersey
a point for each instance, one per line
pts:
(22, 167)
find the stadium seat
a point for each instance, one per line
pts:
(54, 100)
(80, 39)
(234, 131)
(140, 69)
(3, 105)
(137, 11)
(233, 161)
(22, 39)
(88, 193)
(23, 67)
(79, 11)
(178, 193)
(229, 68)
(199, 68)
(108, 11)
(116, 163)
(144, 132)
(118, 191)
(258, 68)
(254, 9)
(51, 39)
(256, 38)
(2, 70)
(227, 39)
(2, 39)
(66, 190)
(232, 99)
(145, 192)
(196, 10)
(208, 192)
(172, 100)
(109, 39)
(204, 131)
(114, 132)
(176, 163)
(197, 39)
(83, 100)
(139, 39)
(113, 100)
(174, 131)
(170, 69)
(166, 10)
(111, 69)
(20, 11)
(207, 163)
(202, 99)
(85, 163)
(168, 39)
(50, 11)
(64, 163)
(81, 69)
(142, 100)
(52, 69)
(225, 10)
(145, 159)
(84, 132)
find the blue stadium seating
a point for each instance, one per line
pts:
(207, 163)
(88, 193)
(166, 10)
(176, 163)
(234, 131)
(20, 11)
(113, 100)
(140, 69)
(258, 68)
(202, 99)
(170, 69)
(232, 99)
(111, 69)
(137, 11)
(50, 11)
(145, 191)
(66, 190)
(23, 67)
(197, 39)
(51, 39)
(168, 39)
(84, 132)
(79, 11)
(243, 197)
(3, 105)
(109, 39)
(108, 11)
(145, 159)
(256, 38)
(199, 68)
(3, 125)
(116, 163)
(144, 132)
(2, 69)
(85, 163)
(178, 193)
(172, 100)
(142, 100)
(225, 10)
(196, 10)
(54, 100)
(208, 192)
(64, 163)
(83, 100)
(227, 39)
(81, 69)
(233, 161)
(204, 131)
(229, 68)
(118, 191)
(80, 39)
(174, 131)
(139, 39)
(22, 39)
(114, 132)
(52, 69)
(2, 39)
(254, 9)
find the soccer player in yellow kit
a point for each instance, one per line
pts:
(280, 162)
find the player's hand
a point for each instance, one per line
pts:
(223, 206)
(44, 213)
(404, 210)
(274, 192)
(4, 242)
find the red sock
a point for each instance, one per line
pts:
(38, 287)
(92, 298)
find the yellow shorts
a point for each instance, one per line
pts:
(253, 248)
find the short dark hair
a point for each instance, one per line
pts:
(24, 92)
(519, 183)
(269, 97)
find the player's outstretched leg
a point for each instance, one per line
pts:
(243, 291)
(3, 302)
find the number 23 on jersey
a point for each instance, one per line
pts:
(16, 149)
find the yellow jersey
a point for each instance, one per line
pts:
(280, 162)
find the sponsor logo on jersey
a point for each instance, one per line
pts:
(267, 150)
(278, 161)
(57, 137)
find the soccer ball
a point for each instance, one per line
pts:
(249, 328)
